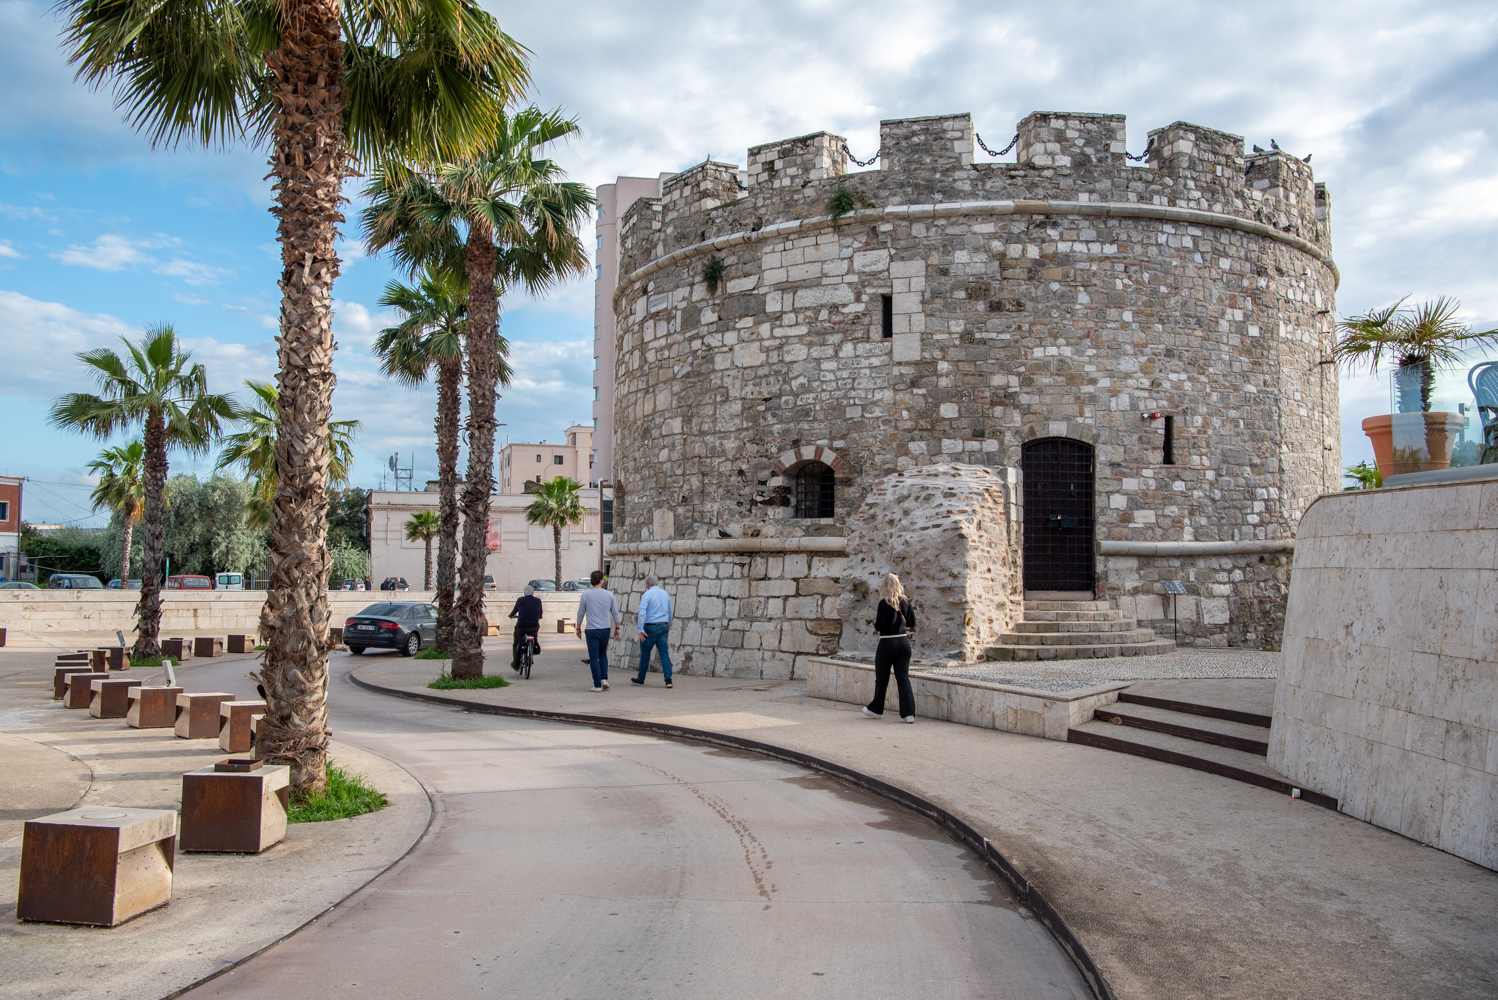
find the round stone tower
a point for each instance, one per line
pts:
(1141, 350)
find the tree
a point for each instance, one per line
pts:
(209, 526)
(321, 83)
(505, 219)
(423, 527)
(1419, 340)
(557, 505)
(430, 337)
(122, 489)
(152, 386)
(254, 450)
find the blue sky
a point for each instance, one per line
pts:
(101, 235)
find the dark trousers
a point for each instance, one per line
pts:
(655, 638)
(598, 653)
(893, 653)
(515, 644)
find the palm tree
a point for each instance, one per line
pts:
(1419, 340)
(254, 450)
(321, 83)
(423, 527)
(122, 489)
(556, 506)
(430, 337)
(152, 386)
(518, 221)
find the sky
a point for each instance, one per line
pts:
(101, 235)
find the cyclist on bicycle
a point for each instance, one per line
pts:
(528, 612)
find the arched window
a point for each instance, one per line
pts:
(814, 487)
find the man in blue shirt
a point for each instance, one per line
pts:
(654, 618)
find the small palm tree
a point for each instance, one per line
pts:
(505, 219)
(151, 386)
(430, 337)
(423, 527)
(253, 449)
(1419, 341)
(556, 506)
(122, 489)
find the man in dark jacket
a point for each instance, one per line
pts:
(527, 612)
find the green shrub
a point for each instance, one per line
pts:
(346, 795)
(447, 682)
(433, 653)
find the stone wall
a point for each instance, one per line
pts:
(1064, 295)
(1388, 687)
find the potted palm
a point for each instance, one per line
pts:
(1419, 340)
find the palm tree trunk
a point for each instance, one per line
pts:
(309, 163)
(470, 622)
(556, 544)
(148, 611)
(449, 383)
(125, 555)
(427, 584)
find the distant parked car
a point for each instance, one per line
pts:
(73, 581)
(577, 584)
(489, 582)
(18, 585)
(351, 584)
(540, 585)
(228, 581)
(402, 625)
(115, 585)
(189, 581)
(394, 583)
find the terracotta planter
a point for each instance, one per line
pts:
(1413, 442)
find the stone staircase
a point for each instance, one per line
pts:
(1074, 630)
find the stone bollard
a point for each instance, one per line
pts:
(207, 646)
(234, 732)
(109, 698)
(197, 714)
(235, 806)
(176, 649)
(152, 707)
(80, 690)
(60, 678)
(98, 865)
(241, 644)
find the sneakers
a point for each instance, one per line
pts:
(597, 689)
(605, 684)
(872, 715)
(668, 684)
(636, 680)
(909, 719)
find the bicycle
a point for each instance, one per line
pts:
(528, 655)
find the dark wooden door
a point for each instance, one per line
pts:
(1058, 515)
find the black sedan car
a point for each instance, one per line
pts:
(402, 625)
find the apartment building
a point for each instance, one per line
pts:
(521, 463)
(10, 527)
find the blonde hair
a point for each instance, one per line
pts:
(891, 592)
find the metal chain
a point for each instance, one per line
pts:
(1012, 143)
(862, 163)
(1144, 155)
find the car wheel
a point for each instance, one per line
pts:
(355, 650)
(412, 646)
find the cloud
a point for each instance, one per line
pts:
(192, 272)
(8, 251)
(109, 253)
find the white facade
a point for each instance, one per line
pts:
(519, 551)
(520, 463)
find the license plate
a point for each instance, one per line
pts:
(365, 628)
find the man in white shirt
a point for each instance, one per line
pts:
(654, 619)
(598, 614)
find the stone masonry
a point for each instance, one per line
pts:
(1069, 294)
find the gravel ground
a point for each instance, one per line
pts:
(1067, 675)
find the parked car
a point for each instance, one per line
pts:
(394, 583)
(18, 585)
(489, 582)
(351, 584)
(73, 581)
(584, 584)
(129, 585)
(540, 585)
(228, 581)
(189, 581)
(402, 625)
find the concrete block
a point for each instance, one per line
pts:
(176, 649)
(109, 697)
(99, 865)
(80, 690)
(235, 807)
(60, 678)
(208, 645)
(152, 707)
(198, 714)
(239, 643)
(234, 732)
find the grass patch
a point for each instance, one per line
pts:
(433, 653)
(346, 795)
(260, 647)
(447, 682)
(146, 663)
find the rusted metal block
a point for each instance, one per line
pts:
(96, 658)
(80, 689)
(60, 678)
(564, 625)
(197, 714)
(114, 658)
(234, 732)
(256, 721)
(208, 645)
(241, 644)
(98, 865)
(235, 807)
(73, 658)
(177, 649)
(109, 699)
(2, 636)
(336, 635)
(152, 707)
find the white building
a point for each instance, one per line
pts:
(518, 551)
(521, 463)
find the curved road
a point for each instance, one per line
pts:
(568, 862)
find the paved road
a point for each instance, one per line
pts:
(567, 862)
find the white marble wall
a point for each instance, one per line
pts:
(1388, 689)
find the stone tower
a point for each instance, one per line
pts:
(1139, 348)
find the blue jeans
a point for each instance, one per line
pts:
(598, 653)
(655, 638)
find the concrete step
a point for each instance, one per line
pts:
(1111, 615)
(1068, 606)
(1224, 761)
(1028, 627)
(1252, 719)
(1090, 638)
(1197, 728)
(1097, 651)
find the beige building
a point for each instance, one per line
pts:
(518, 551)
(539, 463)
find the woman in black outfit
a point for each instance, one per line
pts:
(894, 621)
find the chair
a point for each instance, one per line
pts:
(1483, 381)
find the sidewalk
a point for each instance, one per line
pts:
(1180, 884)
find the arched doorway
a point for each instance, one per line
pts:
(1059, 526)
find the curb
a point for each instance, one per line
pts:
(957, 827)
